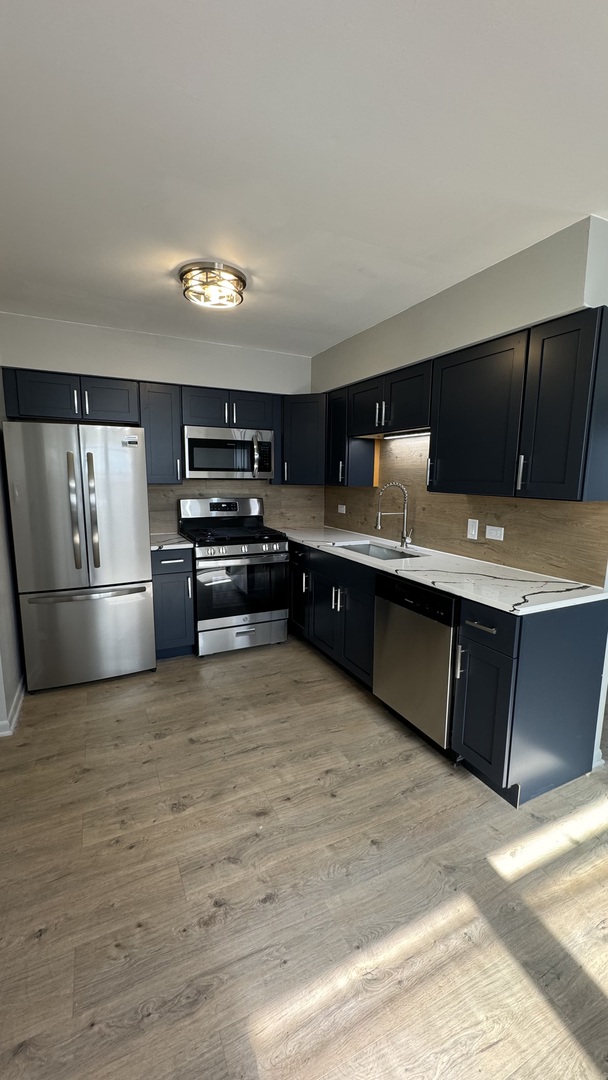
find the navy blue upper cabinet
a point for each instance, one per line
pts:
(303, 439)
(350, 462)
(205, 406)
(161, 420)
(365, 401)
(58, 396)
(525, 415)
(559, 409)
(476, 406)
(397, 401)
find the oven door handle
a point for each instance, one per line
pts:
(248, 560)
(256, 455)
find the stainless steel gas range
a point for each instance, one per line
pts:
(241, 573)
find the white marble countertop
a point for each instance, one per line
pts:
(502, 587)
(168, 540)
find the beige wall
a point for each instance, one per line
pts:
(283, 506)
(94, 350)
(545, 280)
(562, 539)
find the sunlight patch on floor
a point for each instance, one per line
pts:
(544, 845)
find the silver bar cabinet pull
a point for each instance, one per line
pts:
(76, 543)
(234, 413)
(459, 654)
(520, 472)
(76, 402)
(340, 472)
(428, 471)
(333, 598)
(178, 468)
(93, 509)
(339, 598)
(285, 472)
(303, 581)
(480, 626)
(225, 412)
(377, 412)
(383, 420)
(86, 402)
(189, 588)
(171, 562)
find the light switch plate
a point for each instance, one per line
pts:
(472, 526)
(341, 508)
(495, 532)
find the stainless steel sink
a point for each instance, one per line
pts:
(376, 551)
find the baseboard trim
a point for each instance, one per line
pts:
(8, 726)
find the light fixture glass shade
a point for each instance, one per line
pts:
(211, 284)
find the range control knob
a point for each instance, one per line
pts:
(244, 549)
(265, 547)
(210, 551)
(275, 547)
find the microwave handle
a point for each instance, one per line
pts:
(256, 455)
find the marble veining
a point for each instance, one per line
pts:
(503, 587)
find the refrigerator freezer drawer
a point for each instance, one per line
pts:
(85, 634)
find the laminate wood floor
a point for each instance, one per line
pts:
(244, 867)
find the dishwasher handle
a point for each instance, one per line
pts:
(428, 602)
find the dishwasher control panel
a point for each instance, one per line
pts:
(424, 601)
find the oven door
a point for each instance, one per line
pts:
(251, 588)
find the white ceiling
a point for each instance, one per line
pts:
(353, 157)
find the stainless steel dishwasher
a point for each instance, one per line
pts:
(413, 649)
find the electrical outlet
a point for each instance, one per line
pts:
(472, 526)
(495, 532)
(341, 508)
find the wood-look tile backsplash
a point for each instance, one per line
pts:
(283, 506)
(561, 539)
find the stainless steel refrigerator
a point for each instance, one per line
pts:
(79, 510)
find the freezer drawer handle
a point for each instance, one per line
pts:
(480, 626)
(76, 543)
(93, 509)
(86, 594)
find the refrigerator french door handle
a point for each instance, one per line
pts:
(93, 510)
(76, 539)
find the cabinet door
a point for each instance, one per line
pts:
(298, 592)
(250, 410)
(475, 411)
(173, 612)
(365, 407)
(408, 398)
(110, 400)
(205, 406)
(337, 406)
(557, 403)
(483, 699)
(304, 439)
(357, 649)
(161, 420)
(42, 394)
(324, 619)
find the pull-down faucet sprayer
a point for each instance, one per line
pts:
(405, 537)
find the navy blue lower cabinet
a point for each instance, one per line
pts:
(173, 590)
(527, 694)
(299, 587)
(340, 611)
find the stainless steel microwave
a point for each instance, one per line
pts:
(228, 454)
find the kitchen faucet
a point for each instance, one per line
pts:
(405, 537)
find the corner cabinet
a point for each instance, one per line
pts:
(526, 695)
(304, 418)
(161, 421)
(525, 415)
(172, 587)
(52, 395)
(397, 401)
(350, 462)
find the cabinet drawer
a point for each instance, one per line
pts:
(490, 627)
(172, 561)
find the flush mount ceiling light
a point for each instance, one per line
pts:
(212, 284)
